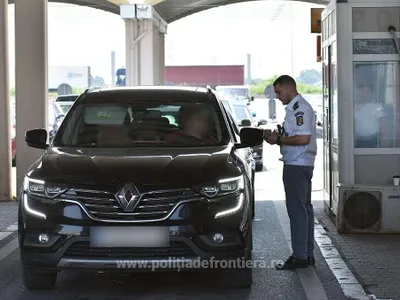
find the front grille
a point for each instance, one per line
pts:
(152, 205)
(176, 249)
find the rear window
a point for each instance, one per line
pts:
(126, 121)
(70, 98)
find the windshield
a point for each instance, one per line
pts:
(116, 123)
(241, 112)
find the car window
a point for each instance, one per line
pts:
(70, 98)
(241, 112)
(129, 122)
(226, 105)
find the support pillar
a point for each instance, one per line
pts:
(145, 47)
(5, 144)
(31, 78)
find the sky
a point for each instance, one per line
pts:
(82, 36)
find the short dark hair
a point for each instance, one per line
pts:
(284, 80)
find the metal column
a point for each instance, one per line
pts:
(5, 145)
(31, 78)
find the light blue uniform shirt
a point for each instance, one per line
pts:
(299, 120)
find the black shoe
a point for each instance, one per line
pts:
(311, 261)
(293, 263)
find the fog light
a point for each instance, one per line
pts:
(43, 238)
(218, 238)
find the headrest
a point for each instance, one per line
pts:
(187, 111)
(151, 122)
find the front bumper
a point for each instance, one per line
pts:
(191, 228)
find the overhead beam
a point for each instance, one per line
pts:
(111, 6)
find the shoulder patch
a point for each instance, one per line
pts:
(299, 113)
(299, 119)
(296, 105)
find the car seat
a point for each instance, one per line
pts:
(149, 128)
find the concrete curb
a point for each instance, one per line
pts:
(350, 285)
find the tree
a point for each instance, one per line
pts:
(310, 76)
(97, 81)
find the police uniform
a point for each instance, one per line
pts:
(297, 174)
(367, 118)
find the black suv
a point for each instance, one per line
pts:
(152, 177)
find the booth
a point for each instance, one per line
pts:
(361, 103)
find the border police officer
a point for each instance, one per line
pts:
(297, 141)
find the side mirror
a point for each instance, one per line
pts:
(262, 122)
(246, 123)
(36, 138)
(250, 137)
(252, 98)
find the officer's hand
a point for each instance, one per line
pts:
(272, 138)
(266, 133)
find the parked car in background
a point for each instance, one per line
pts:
(65, 106)
(316, 102)
(240, 111)
(66, 101)
(242, 91)
(67, 98)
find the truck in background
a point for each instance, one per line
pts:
(241, 91)
(62, 79)
(208, 75)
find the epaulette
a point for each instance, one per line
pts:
(296, 105)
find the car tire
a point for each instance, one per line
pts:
(240, 277)
(259, 167)
(36, 280)
(253, 197)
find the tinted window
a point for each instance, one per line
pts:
(126, 121)
(71, 98)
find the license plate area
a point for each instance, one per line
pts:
(130, 237)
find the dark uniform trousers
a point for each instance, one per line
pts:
(297, 183)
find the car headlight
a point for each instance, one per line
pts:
(224, 186)
(40, 188)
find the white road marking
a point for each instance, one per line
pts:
(8, 249)
(8, 231)
(350, 285)
(308, 277)
(13, 244)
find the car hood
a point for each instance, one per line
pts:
(173, 167)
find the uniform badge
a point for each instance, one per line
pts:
(299, 120)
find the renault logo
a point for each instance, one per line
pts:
(128, 197)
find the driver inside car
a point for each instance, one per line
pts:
(194, 123)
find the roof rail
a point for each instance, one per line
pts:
(91, 89)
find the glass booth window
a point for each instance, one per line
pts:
(376, 105)
(375, 19)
